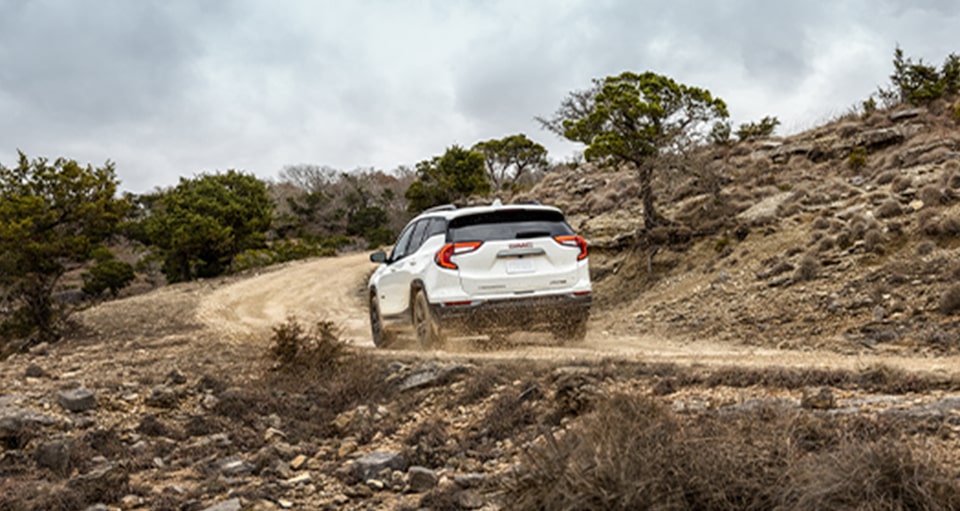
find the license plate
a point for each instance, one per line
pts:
(520, 266)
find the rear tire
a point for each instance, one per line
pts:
(425, 325)
(382, 337)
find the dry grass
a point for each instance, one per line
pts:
(632, 453)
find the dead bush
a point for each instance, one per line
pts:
(808, 269)
(321, 347)
(901, 183)
(889, 208)
(427, 444)
(633, 453)
(505, 416)
(949, 226)
(826, 244)
(932, 196)
(950, 300)
(844, 240)
(821, 223)
(873, 241)
(479, 385)
(877, 475)
(886, 177)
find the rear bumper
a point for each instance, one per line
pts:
(531, 313)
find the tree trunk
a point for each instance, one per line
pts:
(650, 217)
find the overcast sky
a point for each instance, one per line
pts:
(171, 88)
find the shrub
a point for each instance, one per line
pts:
(633, 453)
(808, 269)
(926, 248)
(901, 183)
(919, 83)
(857, 159)
(874, 475)
(886, 177)
(931, 196)
(873, 241)
(758, 130)
(321, 347)
(950, 300)
(821, 223)
(889, 208)
(108, 274)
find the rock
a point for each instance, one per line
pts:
(54, 455)
(421, 479)
(97, 507)
(18, 425)
(266, 505)
(471, 480)
(234, 466)
(469, 499)
(298, 462)
(34, 371)
(368, 466)
(227, 505)
(902, 115)
(162, 397)
(879, 312)
(299, 479)
(375, 484)
(131, 501)
(880, 137)
(273, 434)
(77, 400)
(428, 376)
(175, 377)
(766, 208)
(822, 400)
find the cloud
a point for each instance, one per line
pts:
(172, 88)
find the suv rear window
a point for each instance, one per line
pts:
(509, 224)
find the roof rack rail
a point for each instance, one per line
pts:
(533, 202)
(445, 207)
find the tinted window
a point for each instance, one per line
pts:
(419, 229)
(400, 247)
(508, 225)
(437, 226)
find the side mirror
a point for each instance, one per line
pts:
(378, 257)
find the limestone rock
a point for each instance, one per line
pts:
(77, 400)
(421, 479)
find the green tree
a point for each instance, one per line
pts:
(107, 273)
(508, 159)
(758, 130)
(452, 177)
(918, 83)
(635, 118)
(51, 215)
(202, 223)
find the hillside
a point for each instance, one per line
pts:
(790, 341)
(843, 238)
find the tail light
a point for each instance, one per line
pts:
(574, 241)
(444, 255)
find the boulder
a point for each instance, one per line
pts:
(77, 400)
(368, 466)
(421, 479)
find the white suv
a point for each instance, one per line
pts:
(486, 270)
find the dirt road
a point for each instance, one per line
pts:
(329, 288)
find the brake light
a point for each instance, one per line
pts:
(444, 255)
(574, 241)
